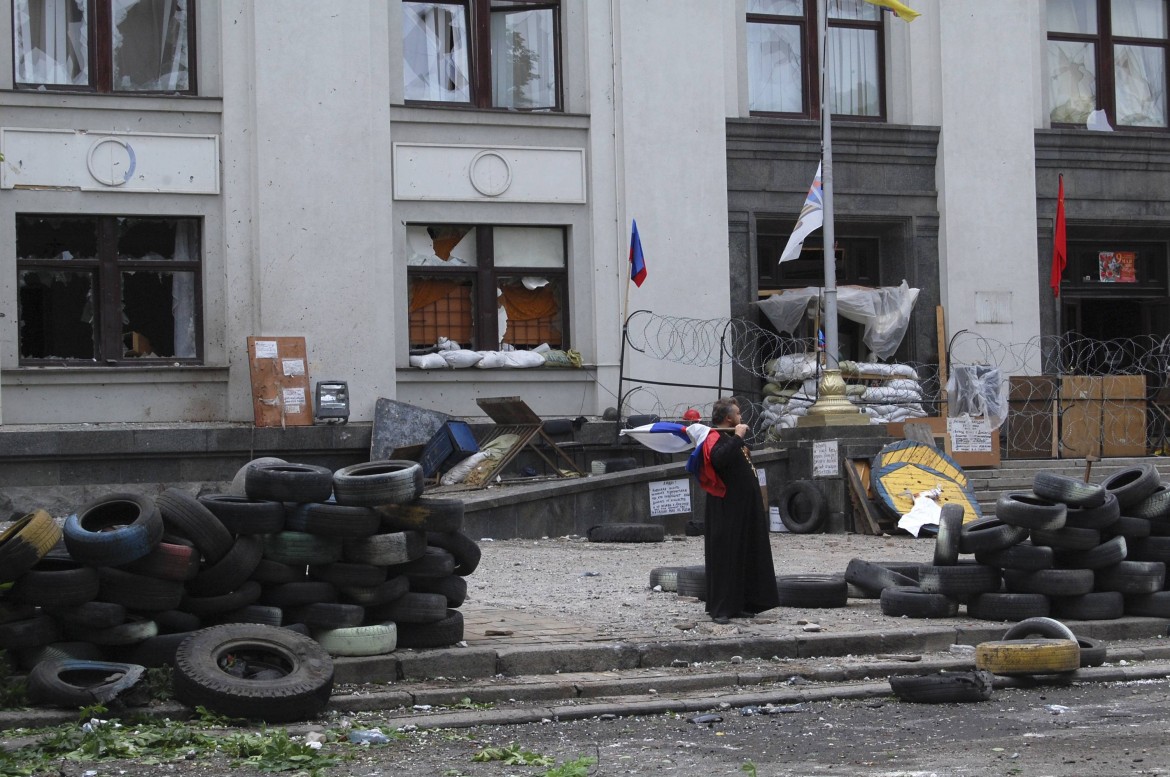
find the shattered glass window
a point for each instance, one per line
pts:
(487, 287)
(1108, 57)
(150, 46)
(56, 315)
(51, 42)
(106, 46)
(104, 288)
(486, 53)
(436, 66)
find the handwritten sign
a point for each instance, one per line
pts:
(969, 435)
(670, 497)
(825, 463)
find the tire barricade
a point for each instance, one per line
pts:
(1066, 549)
(357, 560)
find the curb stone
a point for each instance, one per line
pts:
(546, 661)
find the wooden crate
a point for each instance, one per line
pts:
(1123, 415)
(1080, 417)
(1031, 413)
(938, 427)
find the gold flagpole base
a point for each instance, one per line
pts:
(832, 408)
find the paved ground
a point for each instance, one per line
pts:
(563, 627)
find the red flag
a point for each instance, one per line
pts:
(1059, 243)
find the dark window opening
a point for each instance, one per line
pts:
(108, 289)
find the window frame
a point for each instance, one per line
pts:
(478, 17)
(809, 25)
(100, 49)
(1105, 42)
(485, 275)
(106, 269)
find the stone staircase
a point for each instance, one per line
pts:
(1017, 474)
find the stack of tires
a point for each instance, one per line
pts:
(356, 559)
(1069, 549)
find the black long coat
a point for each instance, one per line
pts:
(737, 551)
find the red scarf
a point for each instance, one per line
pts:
(709, 479)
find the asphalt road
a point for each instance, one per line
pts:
(1090, 730)
(1100, 729)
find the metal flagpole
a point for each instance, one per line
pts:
(832, 407)
(832, 343)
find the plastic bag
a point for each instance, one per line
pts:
(978, 390)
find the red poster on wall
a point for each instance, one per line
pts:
(1117, 266)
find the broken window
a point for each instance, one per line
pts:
(104, 45)
(487, 286)
(1110, 56)
(487, 53)
(107, 289)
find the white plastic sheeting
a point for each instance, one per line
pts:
(884, 311)
(978, 390)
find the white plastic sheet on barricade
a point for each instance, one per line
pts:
(884, 311)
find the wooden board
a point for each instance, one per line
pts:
(1030, 421)
(1123, 428)
(863, 505)
(280, 381)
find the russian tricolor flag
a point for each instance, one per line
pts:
(637, 260)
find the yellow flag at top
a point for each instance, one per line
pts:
(904, 13)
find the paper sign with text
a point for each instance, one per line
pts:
(969, 435)
(825, 459)
(670, 497)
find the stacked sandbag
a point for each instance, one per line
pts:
(790, 391)
(357, 559)
(897, 396)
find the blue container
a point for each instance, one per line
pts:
(453, 443)
(462, 441)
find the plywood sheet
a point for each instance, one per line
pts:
(1080, 429)
(280, 381)
(1123, 428)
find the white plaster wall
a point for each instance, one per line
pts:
(986, 174)
(913, 66)
(671, 175)
(307, 190)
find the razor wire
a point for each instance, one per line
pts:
(1066, 396)
(761, 353)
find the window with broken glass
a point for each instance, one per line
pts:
(784, 64)
(1107, 55)
(487, 287)
(484, 53)
(108, 289)
(125, 46)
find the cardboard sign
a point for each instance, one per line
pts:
(280, 382)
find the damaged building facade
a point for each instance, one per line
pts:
(180, 175)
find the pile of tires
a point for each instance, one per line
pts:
(1069, 549)
(356, 559)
